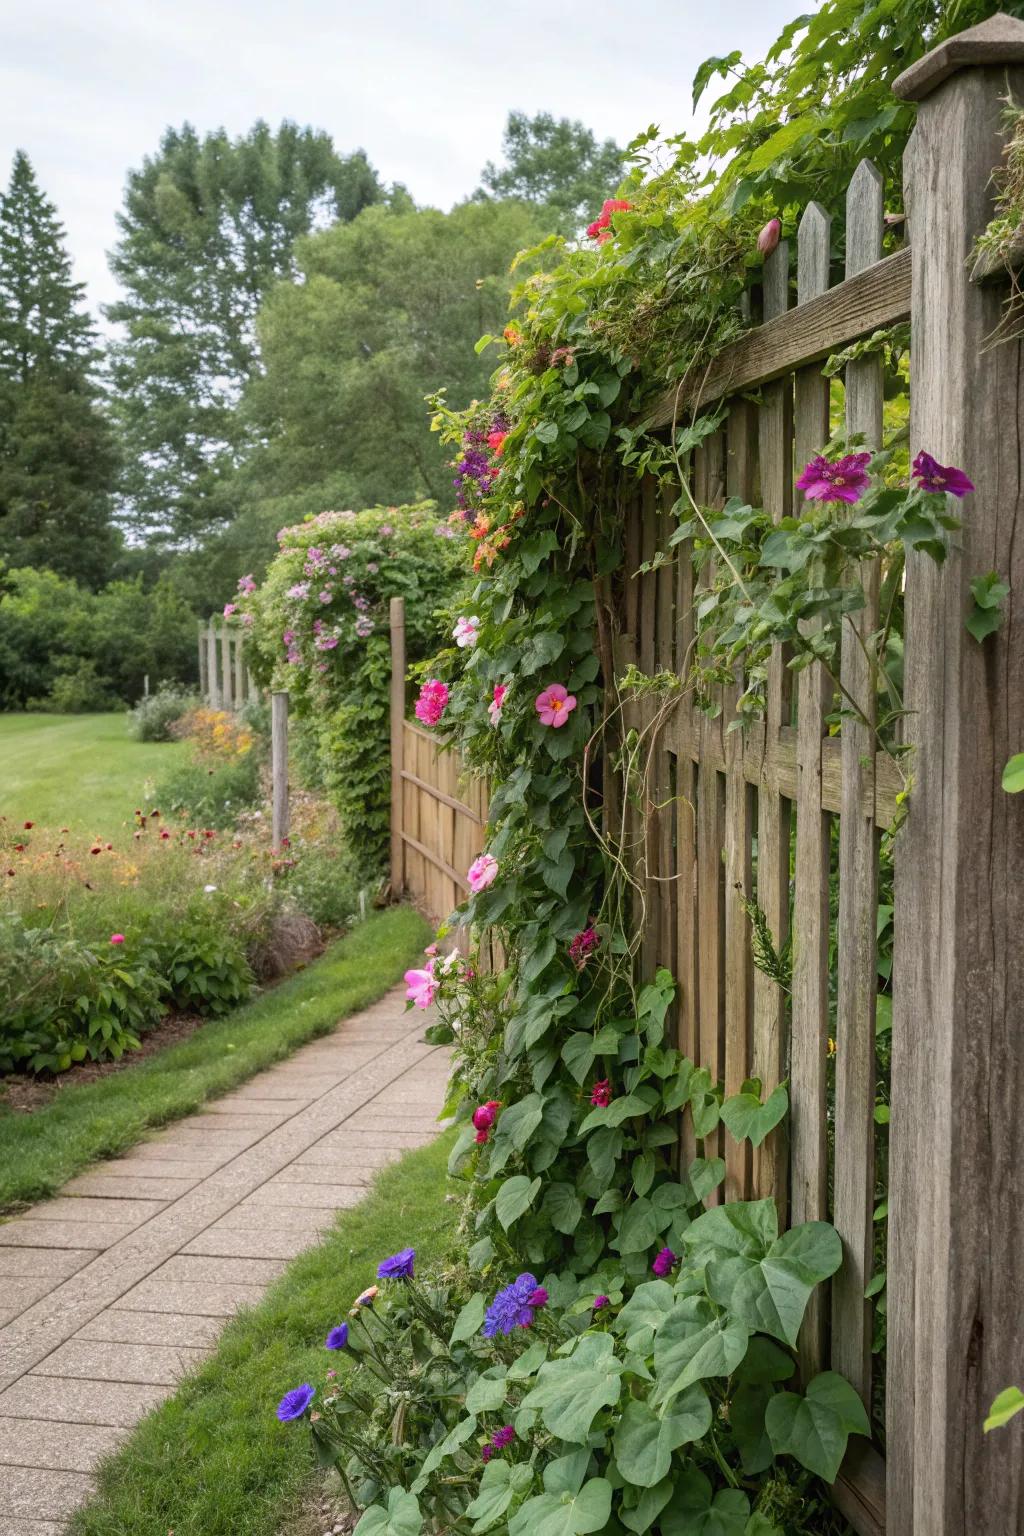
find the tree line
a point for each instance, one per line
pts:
(282, 315)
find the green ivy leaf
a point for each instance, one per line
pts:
(742, 1227)
(815, 1428)
(638, 1226)
(514, 1198)
(401, 1518)
(641, 1507)
(571, 1391)
(696, 1341)
(705, 1174)
(644, 1440)
(746, 1420)
(747, 1119)
(1009, 1403)
(455, 1437)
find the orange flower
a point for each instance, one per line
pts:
(512, 335)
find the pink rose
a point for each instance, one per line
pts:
(482, 873)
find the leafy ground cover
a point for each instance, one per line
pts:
(83, 772)
(214, 1461)
(41, 1151)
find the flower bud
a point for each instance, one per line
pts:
(768, 239)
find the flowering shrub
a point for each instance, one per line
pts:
(320, 629)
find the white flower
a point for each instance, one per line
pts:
(465, 632)
(209, 889)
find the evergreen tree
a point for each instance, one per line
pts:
(208, 227)
(57, 458)
(558, 163)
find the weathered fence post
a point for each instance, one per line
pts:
(225, 664)
(956, 1215)
(212, 686)
(397, 742)
(279, 766)
(240, 698)
(203, 660)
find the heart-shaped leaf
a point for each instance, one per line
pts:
(514, 1198)
(549, 1514)
(645, 1440)
(816, 1427)
(696, 1341)
(695, 1511)
(747, 1119)
(571, 1391)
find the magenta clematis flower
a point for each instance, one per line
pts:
(482, 873)
(933, 476)
(555, 705)
(842, 479)
(421, 986)
(664, 1262)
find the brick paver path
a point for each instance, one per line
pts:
(165, 1243)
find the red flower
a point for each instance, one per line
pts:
(602, 1093)
(28, 825)
(600, 230)
(496, 442)
(164, 836)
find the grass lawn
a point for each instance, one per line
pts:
(214, 1461)
(79, 771)
(40, 1151)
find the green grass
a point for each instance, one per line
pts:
(79, 771)
(40, 1151)
(213, 1461)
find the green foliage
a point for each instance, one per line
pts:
(557, 163)
(65, 648)
(229, 210)
(1006, 1406)
(57, 452)
(210, 794)
(1013, 774)
(204, 964)
(336, 664)
(154, 715)
(988, 593)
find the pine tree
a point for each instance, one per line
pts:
(57, 459)
(208, 227)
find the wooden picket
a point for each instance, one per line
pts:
(225, 681)
(721, 815)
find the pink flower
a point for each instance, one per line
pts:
(431, 949)
(229, 609)
(496, 442)
(664, 1262)
(555, 705)
(768, 239)
(842, 480)
(583, 945)
(482, 873)
(494, 707)
(421, 986)
(600, 230)
(933, 476)
(537, 1298)
(386, 529)
(485, 1115)
(246, 584)
(117, 938)
(325, 595)
(466, 632)
(430, 705)
(364, 627)
(601, 1096)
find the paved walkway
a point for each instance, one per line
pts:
(114, 1289)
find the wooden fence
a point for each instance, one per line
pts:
(727, 815)
(225, 681)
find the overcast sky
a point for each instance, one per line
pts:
(87, 86)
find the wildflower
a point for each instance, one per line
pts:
(399, 1266)
(430, 705)
(482, 873)
(484, 1117)
(583, 945)
(496, 442)
(933, 476)
(325, 596)
(368, 1297)
(842, 480)
(209, 889)
(512, 335)
(600, 230)
(768, 239)
(600, 1302)
(498, 1441)
(294, 1403)
(538, 1297)
(494, 707)
(563, 357)
(28, 825)
(431, 949)
(421, 986)
(299, 592)
(511, 1307)
(164, 835)
(364, 627)
(337, 1338)
(246, 584)
(601, 1095)
(466, 632)
(372, 567)
(117, 938)
(554, 705)
(664, 1262)
(386, 530)
(229, 609)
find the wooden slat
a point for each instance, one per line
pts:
(771, 1013)
(457, 805)
(225, 666)
(854, 1173)
(397, 707)
(824, 323)
(435, 861)
(809, 1033)
(741, 449)
(651, 787)
(859, 1490)
(664, 660)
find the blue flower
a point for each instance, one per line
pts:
(511, 1307)
(399, 1266)
(294, 1403)
(338, 1337)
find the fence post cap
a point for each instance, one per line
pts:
(998, 40)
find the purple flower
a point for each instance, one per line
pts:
(933, 476)
(842, 480)
(338, 1337)
(294, 1403)
(537, 1298)
(512, 1307)
(599, 1302)
(399, 1266)
(663, 1262)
